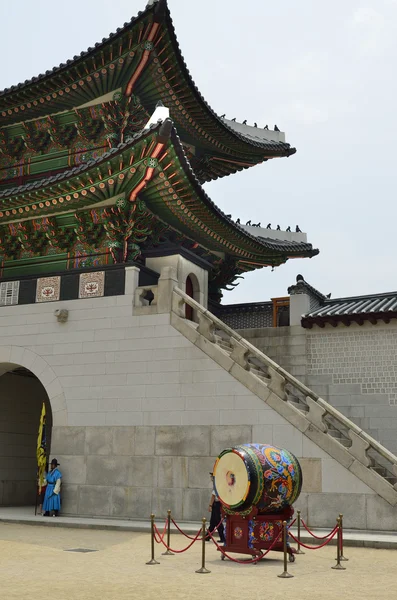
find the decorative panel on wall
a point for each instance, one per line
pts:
(48, 289)
(92, 285)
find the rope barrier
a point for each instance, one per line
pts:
(182, 532)
(177, 551)
(334, 532)
(161, 537)
(245, 562)
(317, 537)
(189, 536)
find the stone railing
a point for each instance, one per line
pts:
(318, 420)
(146, 299)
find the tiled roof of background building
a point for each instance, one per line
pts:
(354, 309)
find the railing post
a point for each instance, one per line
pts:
(285, 574)
(206, 327)
(338, 566)
(203, 533)
(341, 538)
(152, 561)
(299, 551)
(168, 551)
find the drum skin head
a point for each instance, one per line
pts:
(232, 483)
(257, 475)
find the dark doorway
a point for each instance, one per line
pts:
(189, 292)
(21, 400)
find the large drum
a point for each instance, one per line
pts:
(257, 475)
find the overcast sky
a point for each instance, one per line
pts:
(324, 72)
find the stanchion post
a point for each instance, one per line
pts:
(341, 539)
(152, 561)
(168, 551)
(298, 518)
(338, 566)
(285, 574)
(203, 569)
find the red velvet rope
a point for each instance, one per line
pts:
(334, 532)
(184, 549)
(161, 537)
(189, 536)
(313, 534)
(293, 523)
(246, 562)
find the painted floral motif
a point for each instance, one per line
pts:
(238, 533)
(266, 531)
(252, 539)
(92, 284)
(48, 289)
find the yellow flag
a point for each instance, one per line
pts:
(41, 449)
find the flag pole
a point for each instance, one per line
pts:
(41, 454)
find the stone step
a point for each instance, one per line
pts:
(338, 436)
(258, 373)
(299, 405)
(226, 347)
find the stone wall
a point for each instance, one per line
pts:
(284, 345)
(355, 369)
(140, 414)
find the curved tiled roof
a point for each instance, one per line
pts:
(68, 173)
(160, 7)
(266, 145)
(165, 130)
(83, 55)
(354, 309)
(296, 248)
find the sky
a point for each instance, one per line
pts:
(324, 72)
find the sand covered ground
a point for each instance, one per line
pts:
(34, 563)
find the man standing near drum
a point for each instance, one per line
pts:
(215, 510)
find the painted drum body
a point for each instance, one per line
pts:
(257, 475)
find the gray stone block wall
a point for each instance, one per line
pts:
(167, 467)
(355, 369)
(140, 413)
(284, 345)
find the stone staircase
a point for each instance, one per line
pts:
(319, 421)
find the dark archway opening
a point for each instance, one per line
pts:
(189, 292)
(21, 400)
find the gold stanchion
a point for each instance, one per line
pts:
(203, 569)
(299, 551)
(168, 551)
(341, 539)
(338, 566)
(152, 561)
(285, 573)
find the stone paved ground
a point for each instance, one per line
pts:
(34, 564)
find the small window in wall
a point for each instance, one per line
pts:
(9, 292)
(281, 311)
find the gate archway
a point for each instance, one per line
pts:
(24, 386)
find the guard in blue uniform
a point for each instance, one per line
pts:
(52, 499)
